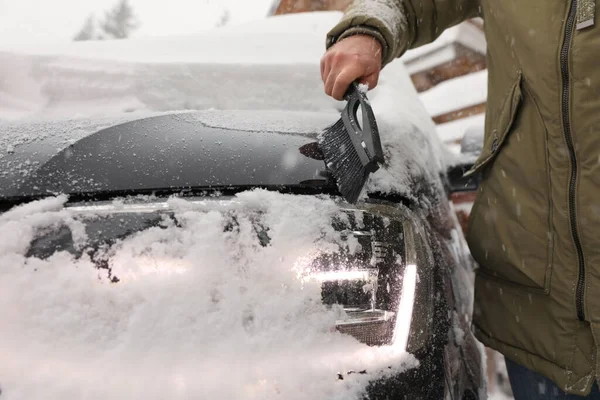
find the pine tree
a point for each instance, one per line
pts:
(120, 21)
(225, 17)
(88, 31)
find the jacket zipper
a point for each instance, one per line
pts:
(564, 66)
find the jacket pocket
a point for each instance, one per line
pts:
(509, 226)
(501, 127)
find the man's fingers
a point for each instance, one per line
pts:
(327, 68)
(330, 82)
(348, 75)
(355, 57)
(341, 84)
(323, 69)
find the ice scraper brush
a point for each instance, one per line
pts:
(352, 149)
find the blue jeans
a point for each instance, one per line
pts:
(529, 385)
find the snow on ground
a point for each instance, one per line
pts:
(199, 312)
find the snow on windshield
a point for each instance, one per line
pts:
(199, 312)
(302, 123)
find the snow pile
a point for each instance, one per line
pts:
(63, 87)
(200, 311)
(272, 63)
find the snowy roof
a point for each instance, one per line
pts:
(431, 60)
(456, 94)
(467, 34)
(455, 130)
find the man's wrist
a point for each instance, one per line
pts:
(361, 30)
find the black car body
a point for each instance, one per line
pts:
(401, 272)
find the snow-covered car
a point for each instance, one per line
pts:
(206, 253)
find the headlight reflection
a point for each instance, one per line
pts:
(405, 308)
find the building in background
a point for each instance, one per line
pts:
(450, 75)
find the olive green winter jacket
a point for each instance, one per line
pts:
(535, 225)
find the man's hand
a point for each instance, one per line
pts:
(352, 58)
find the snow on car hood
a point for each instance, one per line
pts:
(199, 312)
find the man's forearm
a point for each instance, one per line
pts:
(402, 24)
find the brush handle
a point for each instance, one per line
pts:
(365, 136)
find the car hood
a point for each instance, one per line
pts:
(195, 150)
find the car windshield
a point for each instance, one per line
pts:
(64, 92)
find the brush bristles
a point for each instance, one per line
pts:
(343, 161)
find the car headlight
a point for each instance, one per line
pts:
(379, 287)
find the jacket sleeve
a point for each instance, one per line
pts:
(402, 24)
